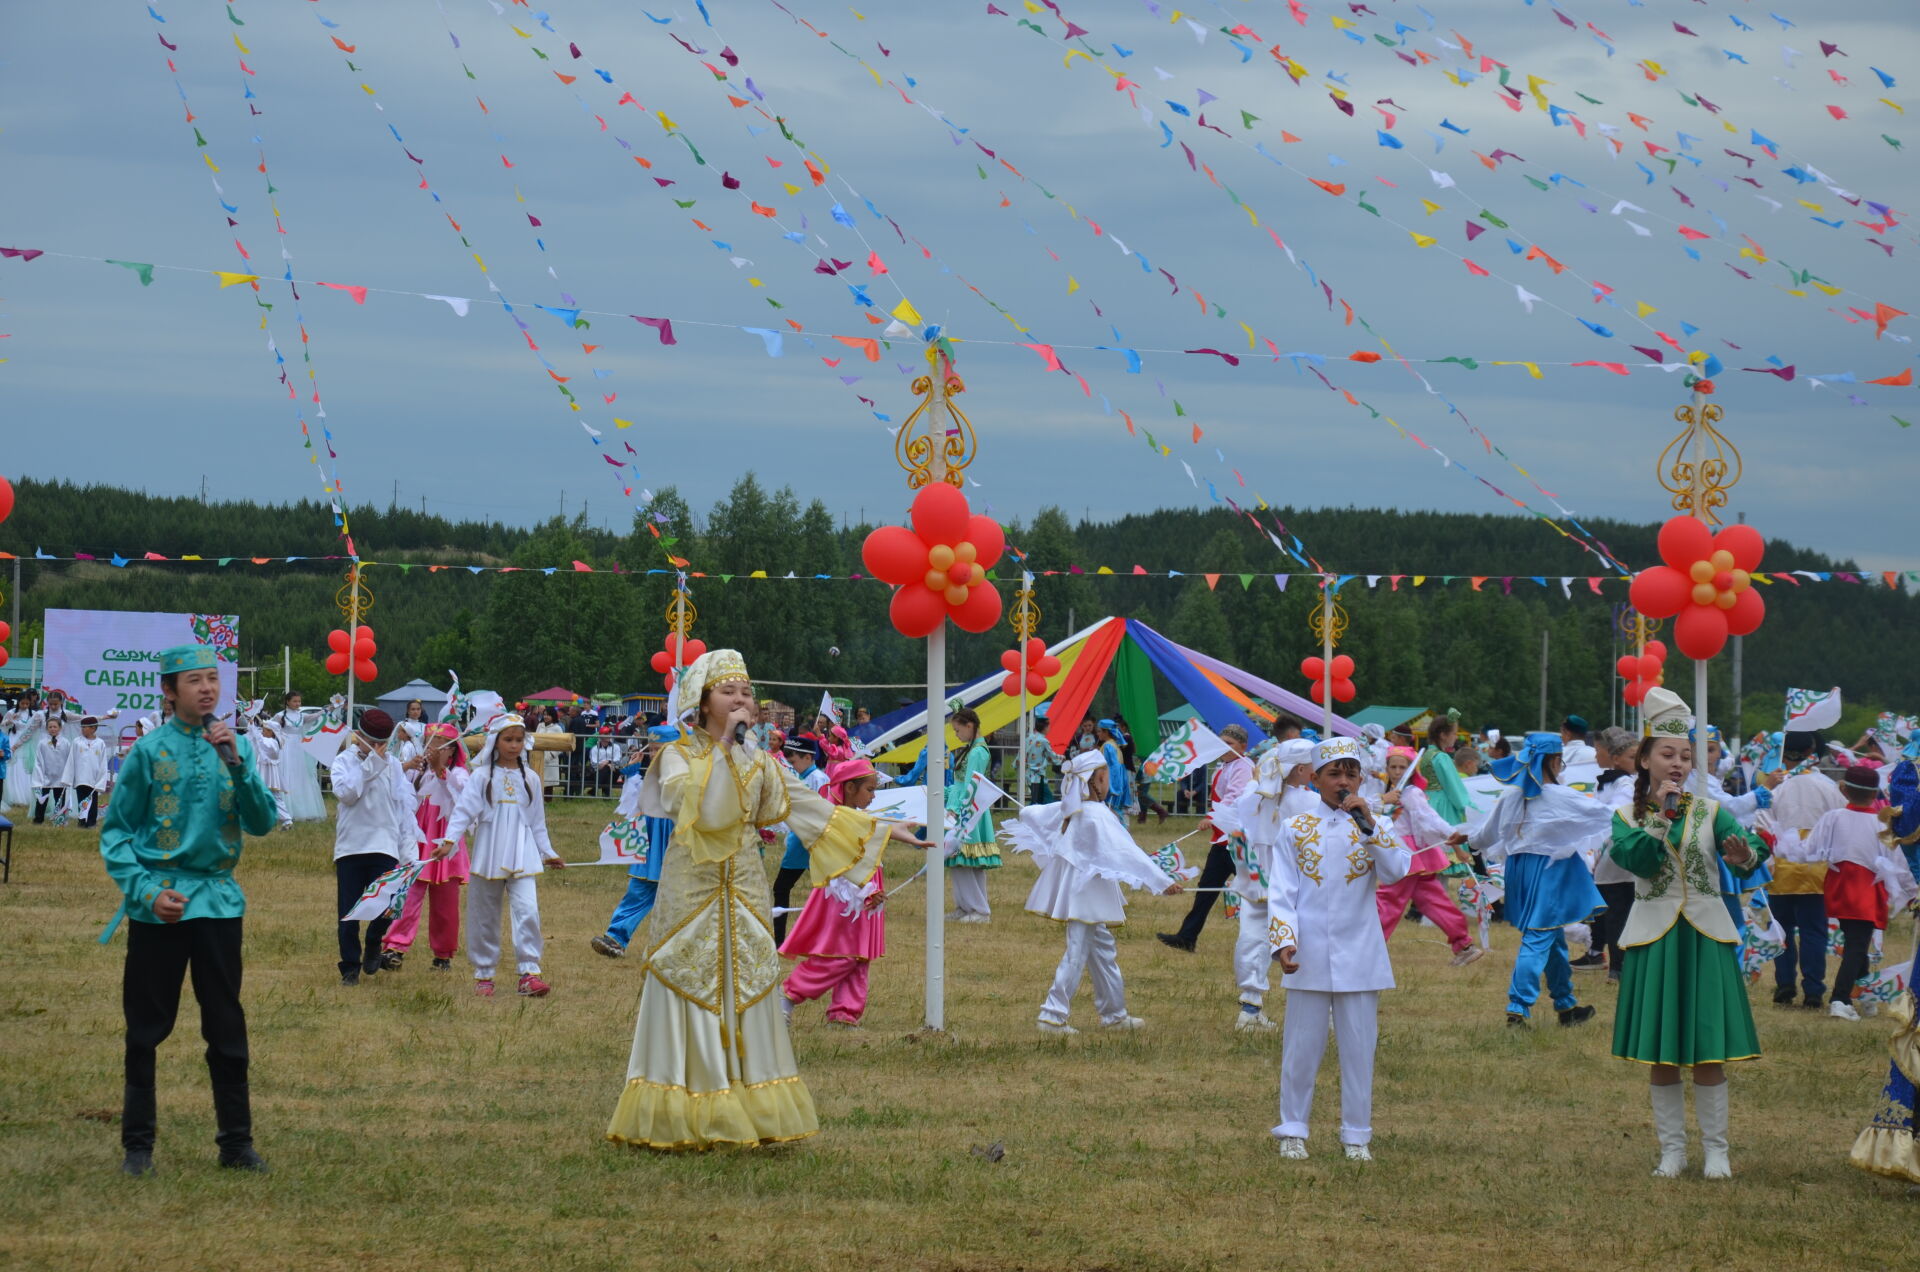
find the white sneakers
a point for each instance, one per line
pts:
(1472, 954)
(1294, 1148)
(1061, 1030)
(1358, 1153)
(967, 916)
(1255, 1022)
(1842, 1010)
(1124, 1024)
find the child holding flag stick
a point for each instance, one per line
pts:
(1085, 853)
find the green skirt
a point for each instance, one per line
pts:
(1682, 1002)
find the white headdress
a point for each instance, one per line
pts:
(716, 666)
(1075, 779)
(1665, 714)
(1333, 749)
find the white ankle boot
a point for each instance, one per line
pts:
(1670, 1128)
(1710, 1110)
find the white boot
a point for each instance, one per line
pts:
(1670, 1128)
(1710, 1110)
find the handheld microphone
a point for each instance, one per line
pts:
(740, 733)
(1670, 805)
(1361, 817)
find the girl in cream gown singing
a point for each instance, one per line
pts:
(712, 1062)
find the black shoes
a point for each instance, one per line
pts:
(1516, 1021)
(1811, 1000)
(350, 977)
(442, 964)
(1173, 940)
(390, 960)
(137, 1162)
(1783, 995)
(243, 1159)
(1576, 1016)
(1588, 961)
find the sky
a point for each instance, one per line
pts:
(169, 386)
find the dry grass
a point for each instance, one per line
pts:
(410, 1124)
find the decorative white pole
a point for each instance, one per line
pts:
(1326, 655)
(353, 628)
(1702, 770)
(936, 991)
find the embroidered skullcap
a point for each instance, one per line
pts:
(1325, 753)
(187, 658)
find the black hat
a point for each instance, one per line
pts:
(377, 724)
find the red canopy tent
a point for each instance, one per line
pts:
(555, 694)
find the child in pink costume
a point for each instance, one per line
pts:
(842, 928)
(438, 774)
(1426, 832)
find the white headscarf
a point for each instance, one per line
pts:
(1270, 780)
(714, 667)
(1075, 779)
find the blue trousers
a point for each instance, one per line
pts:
(1542, 950)
(633, 907)
(1804, 918)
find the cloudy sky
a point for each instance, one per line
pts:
(163, 386)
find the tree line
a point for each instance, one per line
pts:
(1436, 646)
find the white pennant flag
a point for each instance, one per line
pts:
(386, 895)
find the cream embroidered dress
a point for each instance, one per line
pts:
(712, 1062)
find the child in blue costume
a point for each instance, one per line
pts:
(643, 877)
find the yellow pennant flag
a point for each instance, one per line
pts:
(906, 313)
(228, 280)
(620, 423)
(1533, 369)
(1642, 309)
(1418, 579)
(1423, 240)
(1073, 284)
(1249, 331)
(1430, 206)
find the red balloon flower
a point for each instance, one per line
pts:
(938, 568)
(1316, 669)
(6, 499)
(663, 661)
(1706, 585)
(1041, 667)
(1642, 672)
(356, 651)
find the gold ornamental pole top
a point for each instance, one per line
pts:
(937, 442)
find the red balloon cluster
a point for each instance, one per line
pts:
(1706, 585)
(6, 499)
(1316, 669)
(938, 568)
(1642, 672)
(357, 651)
(6, 634)
(1041, 667)
(663, 662)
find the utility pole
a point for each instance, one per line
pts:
(203, 488)
(1545, 635)
(394, 506)
(15, 653)
(563, 505)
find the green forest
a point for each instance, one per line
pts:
(1440, 646)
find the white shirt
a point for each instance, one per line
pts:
(1259, 819)
(50, 761)
(1745, 808)
(1798, 805)
(505, 820)
(376, 806)
(1616, 795)
(1418, 820)
(86, 762)
(603, 753)
(1845, 836)
(1556, 824)
(1322, 876)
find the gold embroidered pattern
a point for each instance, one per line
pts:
(688, 961)
(756, 963)
(165, 770)
(168, 839)
(1306, 833)
(166, 805)
(1359, 862)
(1280, 934)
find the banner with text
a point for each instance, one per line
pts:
(110, 659)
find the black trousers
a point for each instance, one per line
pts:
(159, 957)
(1612, 921)
(1858, 935)
(88, 804)
(43, 798)
(782, 897)
(351, 876)
(1214, 874)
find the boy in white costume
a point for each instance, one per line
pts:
(1085, 854)
(1324, 929)
(87, 772)
(1279, 790)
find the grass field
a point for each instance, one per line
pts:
(410, 1124)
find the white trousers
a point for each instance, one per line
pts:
(1251, 956)
(1090, 948)
(484, 897)
(969, 890)
(280, 807)
(1303, 1043)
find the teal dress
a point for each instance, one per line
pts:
(161, 830)
(1682, 998)
(979, 850)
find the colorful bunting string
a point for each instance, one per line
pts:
(329, 474)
